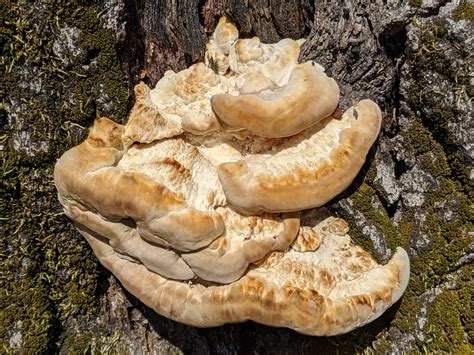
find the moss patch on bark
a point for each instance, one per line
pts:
(49, 275)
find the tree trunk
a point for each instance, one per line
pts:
(411, 57)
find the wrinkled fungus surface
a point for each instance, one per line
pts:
(204, 203)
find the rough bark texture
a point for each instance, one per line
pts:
(66, 62)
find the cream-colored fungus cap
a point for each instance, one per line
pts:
(202, 219)
(273, 60)
(321, 164)
(308, 97)
(162, 204)
(218, 48)
(87, 177)
(180, 102)
(329, 291)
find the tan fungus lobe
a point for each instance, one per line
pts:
(154, 186)
(293, 293)
(146, 123)
(201, 216)
(218, 48)
(308, 97)
(295, 179)
(273, 60)
(86, 177)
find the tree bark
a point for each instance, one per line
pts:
(411, 57)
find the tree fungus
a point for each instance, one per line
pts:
(204, 204)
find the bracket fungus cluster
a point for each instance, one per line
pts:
(205, 204)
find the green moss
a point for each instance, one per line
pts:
(428, 62)
(78, 345)
(431, 141)
(450, 318)
(464, 11)
(32, 312)
(364, 200)
(448, 242)
(50, 275)
(406, 230)
(90, 343)
(447, 207)
(415, 3)
(370, 174)
(214, 65)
